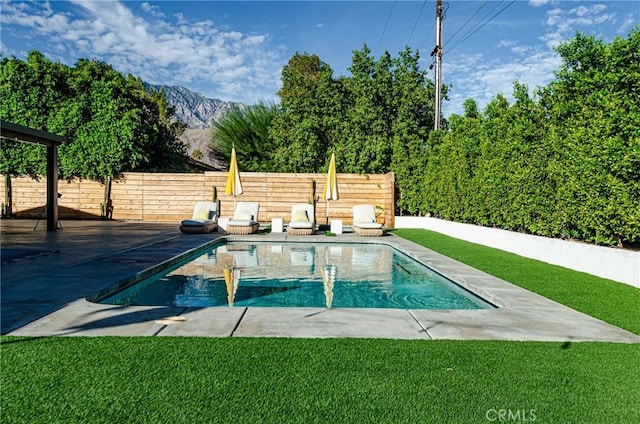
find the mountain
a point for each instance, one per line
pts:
(194, 109)
(200, 148)
(197, 111)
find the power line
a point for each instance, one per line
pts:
(426, 37)
(467, 21)
(416, 24)
(470, 34)
(480, 21)
(386, 25)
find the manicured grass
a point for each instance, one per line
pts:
(610, 301)
(188, 380)
(269, 380)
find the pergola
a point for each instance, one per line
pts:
(24, 134)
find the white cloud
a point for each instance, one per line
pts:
(514, 46)
(152, 10)
(538, 3)
(521, 49)
(627, 24)
(507, 43)
(5, 51)
(159, 49)
(180, 18)
(481, 79)
(564, 22)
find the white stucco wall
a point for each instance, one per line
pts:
(615, 264)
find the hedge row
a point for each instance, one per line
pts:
(565, 163)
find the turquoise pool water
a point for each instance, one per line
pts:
(336, 275)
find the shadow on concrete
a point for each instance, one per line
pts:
(64, 212)
(89, 256)
(119, 317)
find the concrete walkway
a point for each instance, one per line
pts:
(47, 277)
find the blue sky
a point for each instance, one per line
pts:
(236, 50)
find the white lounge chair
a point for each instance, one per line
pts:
(245, 218)
(203, 220)
(364, 221)
(302, 220)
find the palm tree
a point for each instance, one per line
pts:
(247, 130)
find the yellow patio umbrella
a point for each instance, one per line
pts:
(231, 280)
(328, 279)
(234, 186)
(331, 187)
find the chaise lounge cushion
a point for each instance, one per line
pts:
(368, 225)
(302, 222)
(245, 218)
(203, 214)
(364, 221)
(300, 215)
(203, 220)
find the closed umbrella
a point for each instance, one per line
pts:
(231, 280)
(234, 186)
(328, 279)
(331, 188)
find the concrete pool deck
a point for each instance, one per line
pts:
(46, 278)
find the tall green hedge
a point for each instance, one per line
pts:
(563, 163)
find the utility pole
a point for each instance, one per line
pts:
(437, 51)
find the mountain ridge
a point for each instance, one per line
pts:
(194, 109)
(197, 112)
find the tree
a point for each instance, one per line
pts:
(307, 125)
(413, 103)
(367, 135)
(197, 154)
(247, 130)
(565, 162)
(594, 109)
(166, 153)
(377, 120)
(30, 91)
(115, 125)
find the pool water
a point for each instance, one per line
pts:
(335, 275)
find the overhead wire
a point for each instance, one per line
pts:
(385, 26)
(417, 20)
(466, 22)
(426, 37)
(475, 28)
(469, 34)
(480, 21)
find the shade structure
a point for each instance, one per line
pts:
(328, 279)
(231, 280)
(331, 187)
(234, 185)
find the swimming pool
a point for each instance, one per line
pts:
(290, 274)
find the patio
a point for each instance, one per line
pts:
(47, 276)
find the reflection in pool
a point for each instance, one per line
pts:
(334, 275)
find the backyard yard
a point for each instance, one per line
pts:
(170, 379)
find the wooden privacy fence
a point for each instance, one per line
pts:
(165, 197)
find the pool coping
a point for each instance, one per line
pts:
(521, 315)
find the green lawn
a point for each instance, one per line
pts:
(256, 380)
(188, 380)
(610, 301)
